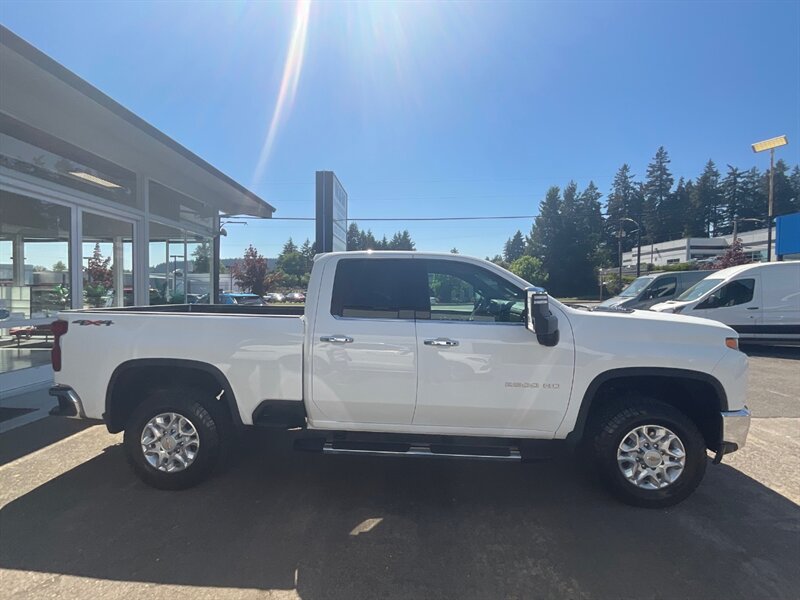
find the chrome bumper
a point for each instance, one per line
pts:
(69, 403)
(735, 425)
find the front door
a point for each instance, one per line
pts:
(364, 347)
(480, 369)
(737, 304)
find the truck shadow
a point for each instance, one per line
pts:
(362, 527)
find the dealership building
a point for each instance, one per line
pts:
(97, 208)
(754, 246)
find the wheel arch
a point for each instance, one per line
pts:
(133, 378)
(698, 395)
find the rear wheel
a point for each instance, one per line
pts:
(649, 453)
(173, 439)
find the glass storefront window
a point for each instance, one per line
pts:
(198, 277)
(166, 264)
(107, 261)
(34, 277)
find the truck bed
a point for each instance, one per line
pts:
(259, 349)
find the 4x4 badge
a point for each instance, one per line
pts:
(88, 322)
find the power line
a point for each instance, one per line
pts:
(372, 219)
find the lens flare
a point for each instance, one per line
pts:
(289, 81)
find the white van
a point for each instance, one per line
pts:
(761, 301)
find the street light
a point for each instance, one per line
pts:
(770, 145)
(638, 246)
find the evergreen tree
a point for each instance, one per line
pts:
(289, 247)
(546, 235)
(753, 203)
(706, 202)
(514, 247)
(401, 241)
(353, 237)
(794, 180)
(784, 199)
(624, 200)
(679, 207)
(732, 190)
(366, 241)
(308, 251)
(657, 188)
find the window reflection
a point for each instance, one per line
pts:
(34, 277)
(107, 254)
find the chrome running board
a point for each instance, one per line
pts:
(507, 454)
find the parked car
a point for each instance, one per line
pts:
(497, 370)
(647, 290)
(760, 301)
(241, 298)
(275, 297)
(296, 297)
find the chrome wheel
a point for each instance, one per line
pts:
(170, 442)
(651, 457)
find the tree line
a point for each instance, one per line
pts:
(572, 236)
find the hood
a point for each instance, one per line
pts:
(616, 301)
(670, 305)
(639, 325)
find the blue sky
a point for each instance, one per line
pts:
(429, 109)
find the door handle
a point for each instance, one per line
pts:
(441, 342)
(752, 308)
(336, 339)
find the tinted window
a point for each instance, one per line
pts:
(662, 288)
(372, 288)
(735, 292)
(463, 292)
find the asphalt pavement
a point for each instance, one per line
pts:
(75, 522)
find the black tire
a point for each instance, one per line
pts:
(619, 418)
(205, 413)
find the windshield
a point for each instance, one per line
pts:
(636, 287)
(698, 289)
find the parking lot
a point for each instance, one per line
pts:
(76, 523)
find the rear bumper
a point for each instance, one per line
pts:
(69, 403)
(735, 426)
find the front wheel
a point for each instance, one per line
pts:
(173, 439)
(650, 454)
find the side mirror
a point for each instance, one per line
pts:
(540, 320)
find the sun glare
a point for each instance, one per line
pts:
(291, 76)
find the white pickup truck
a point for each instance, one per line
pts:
(418, 354)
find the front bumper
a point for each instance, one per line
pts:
(69, 403)
(735, 426)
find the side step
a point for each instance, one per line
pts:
(505, 453)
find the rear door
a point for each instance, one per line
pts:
(480, 370)
(364, 347)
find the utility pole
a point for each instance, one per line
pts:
(770, 145)
(769, 203)
(619, 253)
